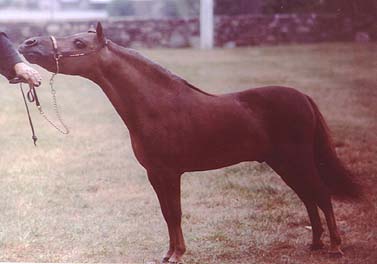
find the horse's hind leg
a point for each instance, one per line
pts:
(300, 175)
(323, 200)
(315, 222)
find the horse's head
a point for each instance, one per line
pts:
(74, 55)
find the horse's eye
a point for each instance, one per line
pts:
(79, 44)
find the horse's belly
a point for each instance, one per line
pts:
(214, 164)
(219, 157)
(200, 154)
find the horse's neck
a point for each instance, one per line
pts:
(137, 87)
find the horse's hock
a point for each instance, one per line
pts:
(230, 31)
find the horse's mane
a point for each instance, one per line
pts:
(123, 52)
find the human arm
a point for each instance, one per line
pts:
(11, 64)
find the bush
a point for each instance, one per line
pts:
(352, 8)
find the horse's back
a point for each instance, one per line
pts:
(279, 96)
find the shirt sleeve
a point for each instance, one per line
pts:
(8, 57)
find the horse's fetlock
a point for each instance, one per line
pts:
(180, 250)
(337, 240)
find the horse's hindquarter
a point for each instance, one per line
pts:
(286, 114)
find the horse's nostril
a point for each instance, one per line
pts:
(30, 42)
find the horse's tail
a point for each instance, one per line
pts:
(334, 174)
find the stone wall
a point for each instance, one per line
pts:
(229, 31)
(259, 30)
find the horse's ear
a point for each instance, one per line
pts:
(100, 34)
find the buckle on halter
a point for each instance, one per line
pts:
(57, 56)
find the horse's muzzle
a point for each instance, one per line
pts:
(27, 45)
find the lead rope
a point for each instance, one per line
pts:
(32, 97)
(34, 137)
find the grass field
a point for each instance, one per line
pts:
(84, 198)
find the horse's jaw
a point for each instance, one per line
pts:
(45, 63)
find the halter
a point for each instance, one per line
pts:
(61, 54)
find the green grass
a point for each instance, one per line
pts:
(84, 198)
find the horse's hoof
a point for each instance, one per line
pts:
(336, 252)
(317, 246)
(167, 260)
(174, 260)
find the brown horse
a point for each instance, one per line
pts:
(176, 128)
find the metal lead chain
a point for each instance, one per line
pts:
(64, 130)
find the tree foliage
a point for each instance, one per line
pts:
(354, 8)
(237, 7)
(343, 7)
(292, 6)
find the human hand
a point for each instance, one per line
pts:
(28, 73)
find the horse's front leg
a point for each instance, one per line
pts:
(168, 189)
